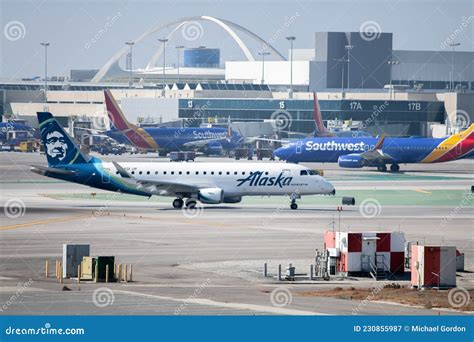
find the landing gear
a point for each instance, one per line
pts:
(178, 203)
(382, 168)
(394, 167)
(293, 205)
(191, 203)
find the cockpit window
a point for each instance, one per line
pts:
(303, 173)
(312, 173)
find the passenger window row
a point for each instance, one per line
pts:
(220, 173)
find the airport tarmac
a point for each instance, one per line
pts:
(210, 261)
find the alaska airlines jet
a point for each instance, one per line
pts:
(209, 183)
(360, 152)
(210, 141)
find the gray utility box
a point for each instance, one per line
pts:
(72, 257)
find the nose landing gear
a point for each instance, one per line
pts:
(293, 204)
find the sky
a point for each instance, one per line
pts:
(85, 34)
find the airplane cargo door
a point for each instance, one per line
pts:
(105, 177)
(299, 147)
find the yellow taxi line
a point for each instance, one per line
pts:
(423, 191)
(34, 223)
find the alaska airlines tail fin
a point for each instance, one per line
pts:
(321, 130)
(59, 147)
(116, 116)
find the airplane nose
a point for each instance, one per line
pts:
(329, 188)
(279, 153)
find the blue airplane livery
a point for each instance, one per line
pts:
(373, 152)
(210, 141)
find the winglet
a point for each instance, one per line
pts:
(122, 171)
(379, 144)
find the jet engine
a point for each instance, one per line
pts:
(351, 161)
(211, 195)
(213, 148)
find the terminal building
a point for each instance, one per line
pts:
(359, 78)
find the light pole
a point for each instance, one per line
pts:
(263, 54)
(179, 47)
(291, 39)
(343, 61)
(130, 82)
(391, 63)
(348, 48)
(45, 44)
(453, 45)
(163, 40)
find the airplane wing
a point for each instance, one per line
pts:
(159, 187)
(201, 143)
(376, 155)
(251, 140)
(92, 130)
(43, 169)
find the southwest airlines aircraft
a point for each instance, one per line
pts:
(361, 152)
(209, 183)
(210, 141)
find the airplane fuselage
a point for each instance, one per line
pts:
(175, 138)
(401, 150)
(235, 179)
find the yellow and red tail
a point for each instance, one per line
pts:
(136, 135)
(453, 147)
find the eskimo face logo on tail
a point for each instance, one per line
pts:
(256, 179)
(56, 146)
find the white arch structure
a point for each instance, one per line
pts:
(226, 25)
